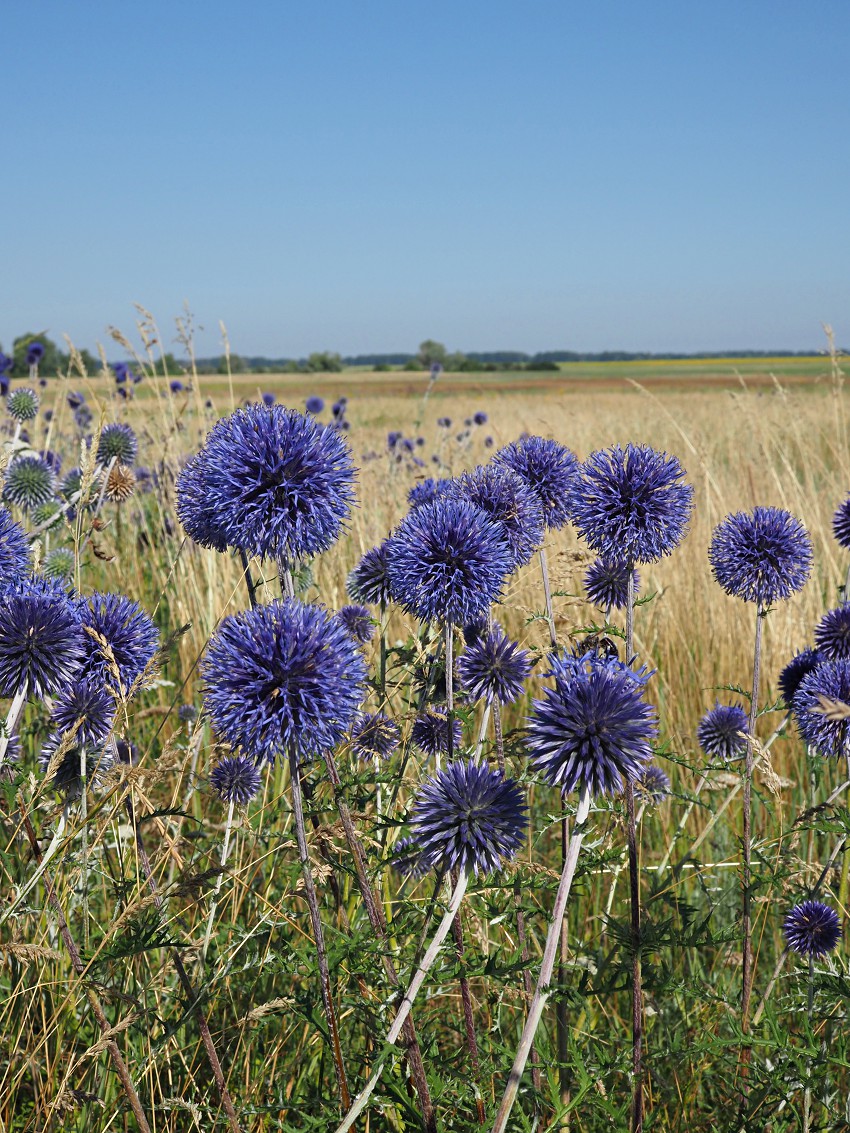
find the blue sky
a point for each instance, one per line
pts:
(358, 177)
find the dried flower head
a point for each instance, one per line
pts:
(120, 483)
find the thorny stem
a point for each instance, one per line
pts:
(746, 942)
(547, 593)
(313, 903)
(468, 1016)
(807, 1093)
(634, 896)
(544, 980)
(450, 697)
(12, 718)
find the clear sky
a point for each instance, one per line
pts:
(358, 176)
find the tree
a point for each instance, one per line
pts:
(429, 353)
(324, 362)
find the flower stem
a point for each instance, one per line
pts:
(450, 697)
(746, 941)
(382, 672)
(541, 993)
(547, 594)
(468, 1016)
(12, 718)
(211, 918)
(440, 935)
(634, 897)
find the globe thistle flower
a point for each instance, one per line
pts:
(632, 505)
(269, 398)
(841, 524)
(235, 779)
(120, 370)
(374, 735)
(549, 469)
(444, 422)
(653, 786)
(719, 732)
(314, 405)
(76, 399)
(117, 442)
(430, 732)
(35, 353)
(121, 640)
(85, 701)
(59, 564)
(280, 676)
(65, 779)
(41, 640)
(468, 818)
(71, 484)
(508, 500)
(832, 633)
(428, 490)
(187, 713)
(23, 404)
(275, 482)
(369, 582)
(29, 483)
(393, 437)
(494, 668)
(606, 583)
(14, 550)
(476, 629)
(812, 929)
(200, 521)
(761, 556)
(176, 386)
(358, 621)
(824, 731)
(407, 859)
(446, 562)
(797, 668)
(120, 484)
(592, 730)
(480, 418)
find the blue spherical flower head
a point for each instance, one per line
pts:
(719, 732)
(201, 521)
(632, 505)
(269, 398)
(14, 550)
(430, 732)
(76, 399)
(30, 482)
(494, 668)
(117, 442)
(176, 386)
(85, 708)
(314, 405)
(606, 583)
(358, 621)
(369, 581)
(276, 482)
(468, 818)
(832, 633)
(447, 561)
(549, 469)
(374, 734)
(235, 779)
(797, 668)
(508, 500)
(41, 640)
(825, 731)
(280, 676)
(22, 404)
(35, 353)
(66, 775)
(407, 859)
(121, 641)
(812, 929)
(841, 523)
(592, 730)
(761, 556)
(428, 490)
(653, 787)
(480, 418)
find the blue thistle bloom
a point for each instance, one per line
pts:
(468, 818)
(314, 405)
(393, 437)
(606, 583)
(832, 633)
(593, 728)
(368, 581)
(826, 735)
(444, 422)
(508, 500)
(841, 523)
(494, 668)
(30, 482)
(447, 561)
(120, 370)
(358, 621)
(407, 859)
(88, 702)
(480, 418)
(549, 469)
(374, 734)
(66, 778)
(235, 779)
(812, 929)
(35, 353)
(761, 556)
(719, 731)
(430, 732)
(436, 370)
(274, 482)
(23, 404)
(83, 417)
(797, 668)
(428, 490)
(132, 640)
(41, 640)
(117, 442)
(632, 505)
(269, 398)
(476, 629)
(653, 786)
(76, 399)
(283, 675)
(14, 550)
(176, 386)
